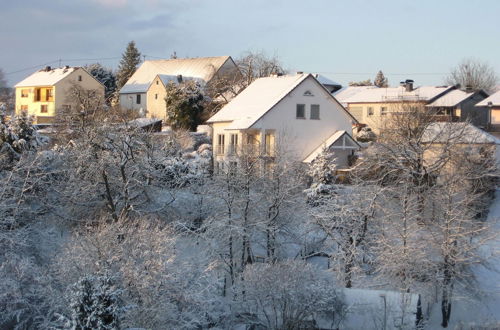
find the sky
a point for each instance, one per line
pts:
(343, 40)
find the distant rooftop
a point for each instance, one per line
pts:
(493, 100)
(46, 77)
(196, 68)
(372, 94)
(451, 99)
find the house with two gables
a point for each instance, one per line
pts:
(45, 92)
(145, 90)
(295, 113)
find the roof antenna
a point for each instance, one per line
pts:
(60, 63)
(144, 57)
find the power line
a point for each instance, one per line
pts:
(63, 60)
(391, 74)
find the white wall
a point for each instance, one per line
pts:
(305, 135)
(128, 101)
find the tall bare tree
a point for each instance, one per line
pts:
(473, 74)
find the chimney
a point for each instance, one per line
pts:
(179, 78)
(300, 72)
(276, 74)
(402, 84)
(409, 85)
(468, 88)
(48, 68)
(66, 67)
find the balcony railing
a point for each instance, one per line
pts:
(246, 149)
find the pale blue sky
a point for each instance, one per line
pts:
(345, 40)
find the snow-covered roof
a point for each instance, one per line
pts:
(45, 77)
(349, 91)
(166, 78)
(352, 144)
(494, 99)
(255, 100)
(457, 133)
(325, 81)
(202, 68)
(451, 99)
(393, 94)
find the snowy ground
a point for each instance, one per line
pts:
(484, 306)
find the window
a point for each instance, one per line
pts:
(314, 111)
(24, 108)
(138, 99)
(38, 95)
(301, 111)
(383, 111)
(370, 111)
(79, 78)
(233, 143)
(268, 144)
(220, 144)
(66, 107)
(25, 92)
(157, 82)
(44, 108)
(49, 95)
(156, 96)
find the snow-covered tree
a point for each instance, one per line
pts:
(343, 218)
(106, 77)
(128, 64)
(95, 303)
(184, 105)
(380, 80)
(16, 136)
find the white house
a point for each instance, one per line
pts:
(133, 95)
(294, 112)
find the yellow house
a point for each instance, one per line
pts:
(371, 105)
(45, 91)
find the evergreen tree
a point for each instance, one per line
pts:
(184, 104)
(105, 76)
(381, 80)
(128, 64)
(94, 304)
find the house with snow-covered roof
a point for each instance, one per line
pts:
(458, 105)
(134, 94)
(295, 112)
(371, 105)
(492, 104)
(44, 92)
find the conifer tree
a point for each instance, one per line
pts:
(381, 80)
(128, 64)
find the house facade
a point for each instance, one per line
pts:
(142, 91)
(492, 105)
(45, 91)
(458, 105)
(293, 115)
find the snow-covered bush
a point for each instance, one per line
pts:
(287, 295)
(365, 134)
